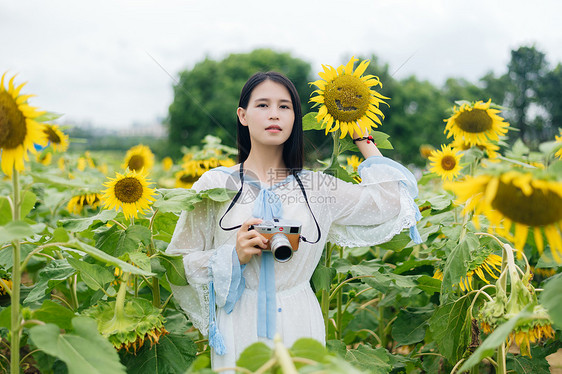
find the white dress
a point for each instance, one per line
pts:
(350, 215)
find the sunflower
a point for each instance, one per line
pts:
(57, 138)
(476, 124)
(477, 266)
(445, 163)
(78, 202)
(185, 179)
(354, 162)
(129, 191)
(167, 163)
(3, 284)
(44, 158)
(18, 129)
(519, 199)
(488, 147)
(138, 158)
(347, 100)
(559, 140)
(426, 150)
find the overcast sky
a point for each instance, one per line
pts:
(91, 59)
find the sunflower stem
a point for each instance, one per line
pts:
(16, 280)
(120, 300)
(325, 298)
(502, 367)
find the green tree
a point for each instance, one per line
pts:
(206, 97)
(526, 71)
(550, 93)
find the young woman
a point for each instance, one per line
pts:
(228, 270)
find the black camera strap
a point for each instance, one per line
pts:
(239, 193)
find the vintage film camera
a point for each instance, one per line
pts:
(283, 237)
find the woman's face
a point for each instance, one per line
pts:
(269, 115)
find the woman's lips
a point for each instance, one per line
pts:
(273, 128)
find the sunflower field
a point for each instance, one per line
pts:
(85, 280)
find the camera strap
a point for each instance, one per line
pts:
(239, 193)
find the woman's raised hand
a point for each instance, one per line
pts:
(249, 242)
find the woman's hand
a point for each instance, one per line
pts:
(249, 242)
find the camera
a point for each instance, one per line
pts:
(283, 237)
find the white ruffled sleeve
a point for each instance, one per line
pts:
(193, 239)
(378, 208)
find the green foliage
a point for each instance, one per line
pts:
(174, 353)
(82, 349)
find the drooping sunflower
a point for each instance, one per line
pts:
(559, 140)
(185, 179)
(44, 158)
(446, 162)
(79, 202)
(347, 100)
(476, 124)
(130, 192)
(515, 199)
(57, 138)
(480, 264)
(18, 129)
(138, 158)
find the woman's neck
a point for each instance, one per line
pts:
(267, 164)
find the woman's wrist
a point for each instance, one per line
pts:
(366, 144)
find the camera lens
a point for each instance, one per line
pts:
(281, 248)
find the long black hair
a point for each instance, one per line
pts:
(293, 148)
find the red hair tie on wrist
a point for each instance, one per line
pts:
(369, 139)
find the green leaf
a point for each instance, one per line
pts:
(175, 270)
(116, 242)
(456, 266)
(537, 363)
(105, 258)
(494, 340)
(253, 357)
(84, 350)
(95, 276)
(81, 224)
(450, 326)
(551, 299)
(51, 312)
(322, 277)
(309, 122)
(176, 200)
(336, 170)
(218, 194)
(411, 265)
(164, 225)
(54, 273)
(28, 200)
(5, 211)
(309, 348)
(17, 230)
(6, 317)
(48, 116)
(410, 326)
(174, 353)
(397, 243)
(369, 359)
(429, 284)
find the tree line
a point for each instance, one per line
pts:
(206, 96)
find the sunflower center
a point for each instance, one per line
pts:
(136, 162)
(12, 122)
(541, 208)
(187, 178)
(52, 135)
(475, 121)
(128, 190)
(347, 98)
(448, 162)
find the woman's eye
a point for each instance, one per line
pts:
(262, 105)
(285, 107)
